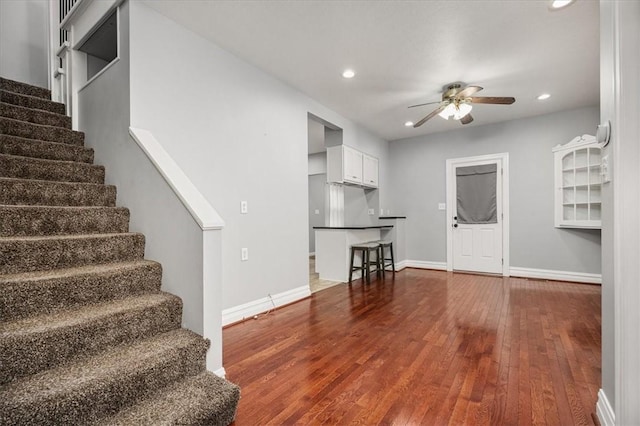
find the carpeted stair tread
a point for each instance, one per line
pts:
(27, 254)
(49, 193)
(88, 389)
(25, 129)
(36, 116)
(14, 145)
(49, 220)
(24, 88)
(46, 292)
(83, 331)
(32, 102)
(205, 399)
(14, 166)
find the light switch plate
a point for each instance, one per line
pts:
(244, 254)
(442, 206)
(317, 211)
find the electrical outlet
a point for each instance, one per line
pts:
(371, 212)
(244, 207)
(244, 254)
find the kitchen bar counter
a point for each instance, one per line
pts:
(333, 245)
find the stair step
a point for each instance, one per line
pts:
(205, 399)
(48, 292)
(14, 145)
(90, 388)
(29, 254)
(24, 129)
(24, 88)
(25, 221)
(48, 193)
(32, 102)
(36, 116)
(31, 345)
(13, 166)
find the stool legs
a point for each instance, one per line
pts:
(353, 252)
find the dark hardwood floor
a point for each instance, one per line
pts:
(425, 348)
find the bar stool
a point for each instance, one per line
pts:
(365, 250)
(386, 261)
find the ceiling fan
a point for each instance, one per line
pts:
(456, 102)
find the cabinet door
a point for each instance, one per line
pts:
(370, 171)
(352, 165)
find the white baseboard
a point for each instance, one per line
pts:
(422, 264)
(220, 372)
(545, 274)
(604, 411)
(247, 310)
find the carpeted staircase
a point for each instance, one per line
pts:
(86, 335)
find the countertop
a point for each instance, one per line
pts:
(351, 228)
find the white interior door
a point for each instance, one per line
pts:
(476, 214)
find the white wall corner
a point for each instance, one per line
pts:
(604, 411)
(265, 304)
(547, 274)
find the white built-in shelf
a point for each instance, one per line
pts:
(578, 183)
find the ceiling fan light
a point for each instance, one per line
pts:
(462, 110)
(559, 4)
(448, 111)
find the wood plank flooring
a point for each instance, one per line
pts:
(425, 348)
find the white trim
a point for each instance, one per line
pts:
(99, 73)
(422, 264)
(604, 411)
(255, 307)
(201, 211)
(547, 274)
(221, 372)
(503, 159)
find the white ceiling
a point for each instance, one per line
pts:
(405, 51)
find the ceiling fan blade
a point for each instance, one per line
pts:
(431, 115)
(428, 103)
(468, 91)
(466, 119)
(493, 100)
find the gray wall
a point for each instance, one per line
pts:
(172, 236)
(357, 202)
(418, 184)
(317, 184)
(24, 41)
(238, 134)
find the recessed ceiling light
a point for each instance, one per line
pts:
(544, 96)
(348, 73)
(559, 4)
(408, 123)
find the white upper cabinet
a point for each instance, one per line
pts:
(350, 166)
(578, 183)
(369, 171)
